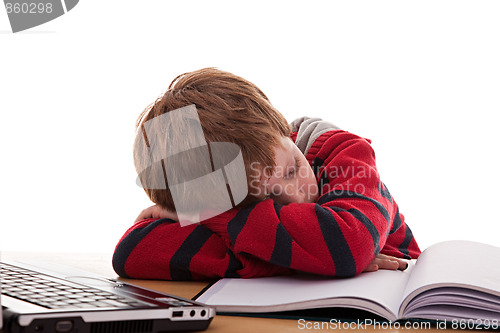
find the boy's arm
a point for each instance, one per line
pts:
(162, 249)
(150, 250)
(354, 218)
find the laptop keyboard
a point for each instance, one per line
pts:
(48, 292)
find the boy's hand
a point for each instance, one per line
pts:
(383, 261)
(156, 212)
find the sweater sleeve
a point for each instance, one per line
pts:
(163, 249)
(342, 232)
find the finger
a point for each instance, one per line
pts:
(139, 218)
(371, 268)
(402, 264)
(387, 264)
(145, 214)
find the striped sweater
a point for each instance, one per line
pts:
(354, 219)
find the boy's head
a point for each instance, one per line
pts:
(230, 109)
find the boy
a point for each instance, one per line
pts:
(315, 201)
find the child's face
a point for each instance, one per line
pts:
(293, 179)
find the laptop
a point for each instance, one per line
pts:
(43, 297)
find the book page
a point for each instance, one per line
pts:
(456, 264)
(275, 293)
(456, 297)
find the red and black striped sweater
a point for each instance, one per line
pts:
(354, 219)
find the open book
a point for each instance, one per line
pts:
(454, 280)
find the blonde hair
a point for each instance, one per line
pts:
(230, 109)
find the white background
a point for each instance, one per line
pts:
(420, 78)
